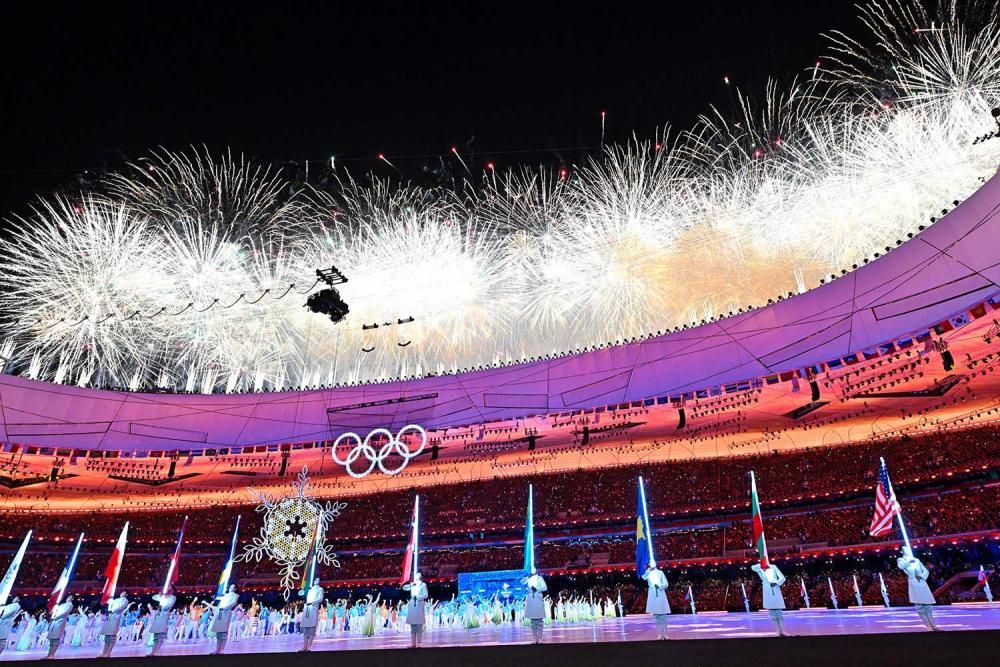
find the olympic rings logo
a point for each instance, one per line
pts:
(395, 445)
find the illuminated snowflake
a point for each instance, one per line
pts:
(289, 524)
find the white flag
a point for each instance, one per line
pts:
(8, 579)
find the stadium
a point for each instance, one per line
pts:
(735, 331)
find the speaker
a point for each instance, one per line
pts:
(681, 419)
(172, 470)
(435, 452)
(284, 464)
(949, 361)
(586, 435)
(531, 443)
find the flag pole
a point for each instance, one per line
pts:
(416, 536)
(530, 532)
(227, 571)
(175, 557)
(645, 521)
(899, 511)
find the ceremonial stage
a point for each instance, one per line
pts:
(873, 635)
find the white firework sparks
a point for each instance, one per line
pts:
(846, 161)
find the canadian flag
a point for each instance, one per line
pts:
(114, 567)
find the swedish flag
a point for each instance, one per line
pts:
(643, 546)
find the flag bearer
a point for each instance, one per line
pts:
(534, 603)
(920, 593)
(772, 580)
(656, 598)
(112, 624)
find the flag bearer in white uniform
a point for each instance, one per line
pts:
(223, 617)
(57, 625)
(534, 603)
(160, 624)
(772, 580)
(113, 623)
(8, 615)
(415, 609)
(656, 598)
(310, 614)
(920, 593)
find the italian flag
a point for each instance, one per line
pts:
(758, 524)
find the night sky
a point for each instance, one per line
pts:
(89, 84)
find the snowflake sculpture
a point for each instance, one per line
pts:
(289, 524)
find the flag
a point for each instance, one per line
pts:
(65, 577)
(886, 507)
(413, 548)
(173, 571)
(114, 567)
(227, 571)
(758, 524)
(643, 540)
(312, 560)
(529, 533)
(7, 583)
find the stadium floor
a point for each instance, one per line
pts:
(873, 635)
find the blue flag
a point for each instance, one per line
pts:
(529, 534)
(643, 545)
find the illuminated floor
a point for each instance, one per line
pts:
(871, 620)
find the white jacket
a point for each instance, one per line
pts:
(224, 612)
(656, 597)
(113, 622)
(416, 607)
(161, 618)
(771, 582)
(916, 573)
(534, 602)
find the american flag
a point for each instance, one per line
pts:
(886, 507)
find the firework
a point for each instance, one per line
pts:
(191, 272)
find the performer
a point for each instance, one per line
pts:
(109, 630)
(656, 597)
(772, 580)
(310, 614)
(160, 624)
(534, 603)
(920, 593)
(415, 609)
(8, 616)
(57, 625)
(223, 617)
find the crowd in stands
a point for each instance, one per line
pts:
(677, 488)
(813, 499)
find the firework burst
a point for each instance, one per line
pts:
(191, 272)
